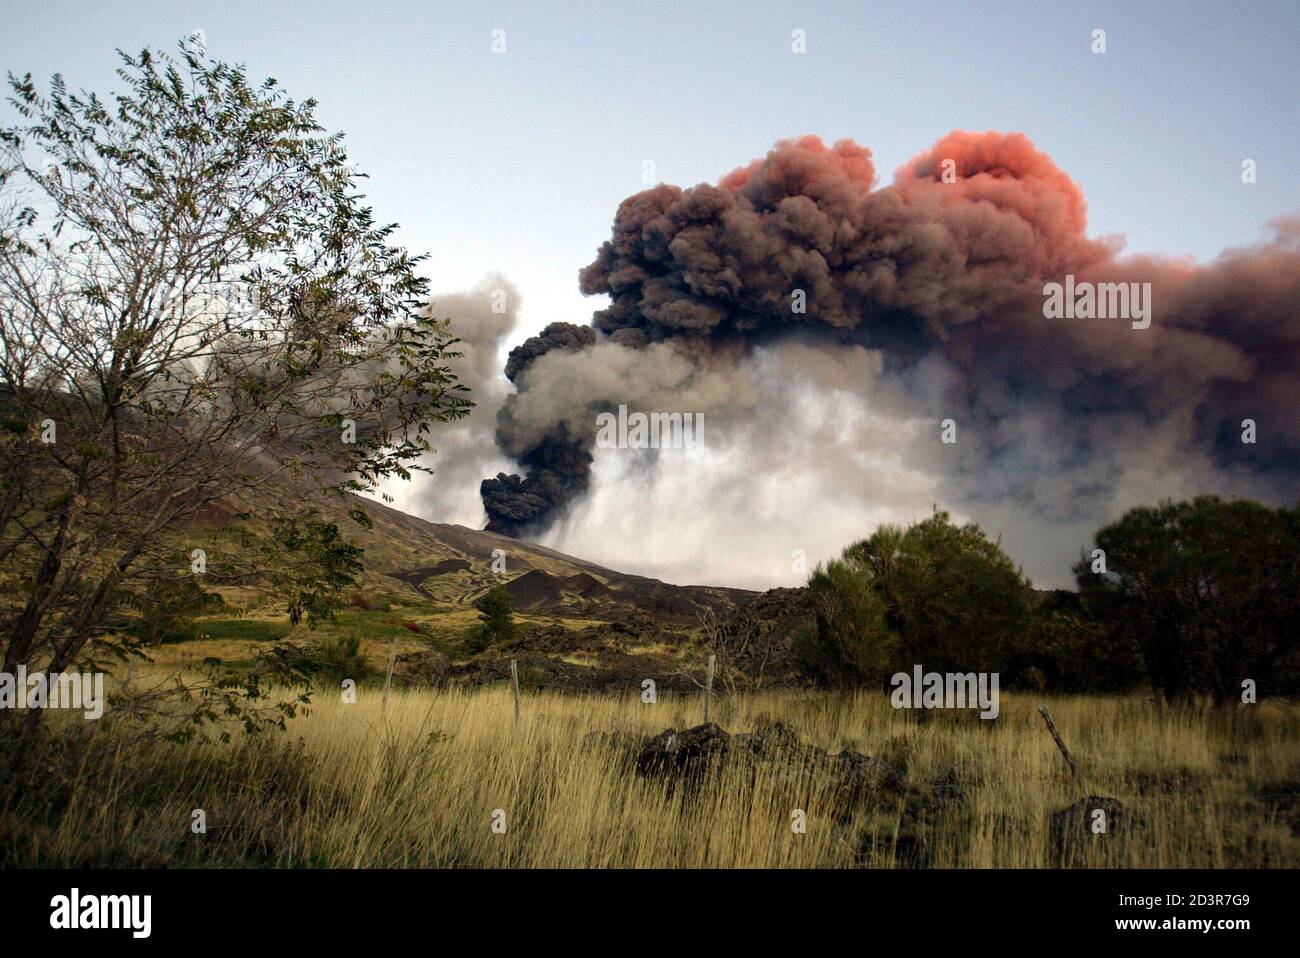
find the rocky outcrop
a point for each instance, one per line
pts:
(690, 752)
(1098, 824)
(772, 750)
(427, 667)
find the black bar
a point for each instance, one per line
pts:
(385, 908)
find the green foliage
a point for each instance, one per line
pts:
(1064, 650)
(205, 298)
(1207, 590)
(250, 694)
(373, 625)
(161, 609)
(477, 638)
(496, 612)
(251, 630)
(340, 657)
(935, 594)
(853, 642)
(309, 566)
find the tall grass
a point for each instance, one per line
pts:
(417, 785)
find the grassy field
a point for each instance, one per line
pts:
(417, 784)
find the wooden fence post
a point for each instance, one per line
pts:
(514, 685)
(708, 689)
(1060, 743)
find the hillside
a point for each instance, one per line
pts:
(452, 564)
(581, 626)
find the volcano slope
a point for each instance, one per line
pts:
(579, 626)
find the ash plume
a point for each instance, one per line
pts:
(481, 319)
(941, 275)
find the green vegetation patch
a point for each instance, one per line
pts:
(252, 630)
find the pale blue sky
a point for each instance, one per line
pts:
(516, 162)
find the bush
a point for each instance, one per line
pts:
(935, 594)
(340, 657)
(1063, 650)
(1208, 591)
(367, 603)
(477, 638)
(496, 610)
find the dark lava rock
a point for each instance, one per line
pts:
(769, 622)
(1072, 826)
(688, 752)
(536, 671)
(424, 668)
(770, 740)
(774, 751)
(863, 777)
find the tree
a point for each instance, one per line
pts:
(935, 594)
(1067, 650)
(496, 614)
(310, 563)
(195, 305)
(853, 642)
(167, 612)
(1208, 591)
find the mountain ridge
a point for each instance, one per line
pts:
(454, 563)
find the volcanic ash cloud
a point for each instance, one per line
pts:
(941, 276)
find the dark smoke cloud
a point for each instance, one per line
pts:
(558, 464)
(565, 336)
(945, 280)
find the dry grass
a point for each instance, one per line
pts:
(416, 785)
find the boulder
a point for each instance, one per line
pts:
(774, 751)
(861, 776)
(1072, 827)
(771, 740)
(687, 752)
(426, 667)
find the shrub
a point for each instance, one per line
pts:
(935, 594)
(1063, 650)
(340, 657)
(496, 610)
(1208, 591)
(369, 603)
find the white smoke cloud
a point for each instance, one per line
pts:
(465, 451)
(791, 466)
